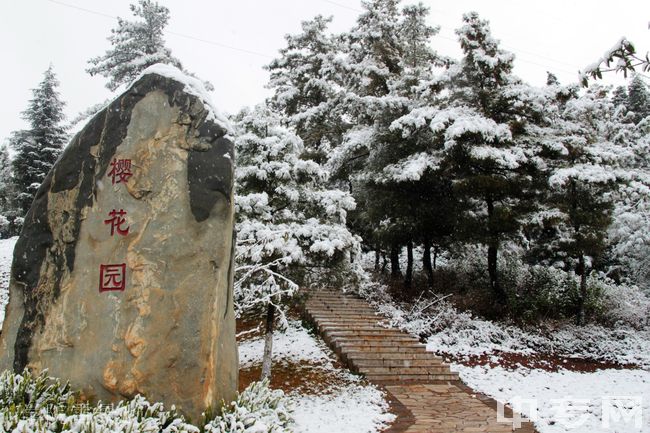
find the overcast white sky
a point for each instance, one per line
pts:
(561, 36)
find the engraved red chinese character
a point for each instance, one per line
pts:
(116, 221)
(120, 170)
(112, 277)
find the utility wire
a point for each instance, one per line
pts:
(255, 53)
(170, 32)
(508, 47)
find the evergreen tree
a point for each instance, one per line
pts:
(582, 183)
(7, 196)
(638, 99)
(136, 45)
(619, 98)
(488, 130)
(291, 228)
(388, 64)
(584, 160)
(304, 79)
(38, 147)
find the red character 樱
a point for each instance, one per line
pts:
(120, 170)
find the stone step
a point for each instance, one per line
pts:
(372, 340)
(386, 346)
(370, 333)
(373, 355)
(332, 295)
(378, 347)
(320, 316)
(351, 323)
(342, 311)
(363, 363)
(374, 371)
(365, 327)
(336, 301)
(339, 308)
(452, 377)
(336, 315)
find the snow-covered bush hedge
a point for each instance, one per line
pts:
(460, 333)
(31, 403)
(258, 409)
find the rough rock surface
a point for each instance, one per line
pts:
(158, 318)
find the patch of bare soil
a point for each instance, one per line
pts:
(303, 377)
(306, 378)
(552, 363)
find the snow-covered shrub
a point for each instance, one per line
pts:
(4, 226)
(25, 394)
(258, 409)
(622, 304)
(40, 403)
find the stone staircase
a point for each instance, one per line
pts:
(352, 329)
(424, 393)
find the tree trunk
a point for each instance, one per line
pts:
(435, 255)
(408, 279)
(377, 255)
(493, 252)
(268, 343)
(426, 262)
(394, 261)
(385, 262)
(494, 276)
(582, 270)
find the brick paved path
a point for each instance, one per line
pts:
(424, 393)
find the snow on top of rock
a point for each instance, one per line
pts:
(194, 87)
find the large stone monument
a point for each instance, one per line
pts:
(122, 278)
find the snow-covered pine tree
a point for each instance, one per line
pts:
(291, 228)
(7, 195)
(38, 147)
(638, 98)
(135, 45)
(387, 60)
(304, 80)
(582, 182)
(629, 234)
(619, 97)
(486, 128)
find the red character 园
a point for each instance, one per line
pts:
(112, 277)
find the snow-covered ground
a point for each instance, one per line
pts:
(560, 400)
(294, 343)
(359, 406)
(566, 401)
(6, 254)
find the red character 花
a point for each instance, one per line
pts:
(120, 170)
(117, 220)
(112, 277)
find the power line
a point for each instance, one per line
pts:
(218, 44)
(101, 14)
(342, 6)
(509, 47)
(170, 32)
